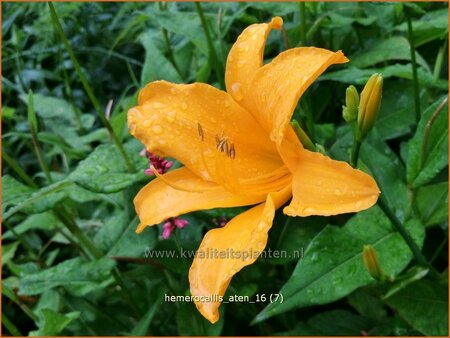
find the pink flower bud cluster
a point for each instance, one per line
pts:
(171, 224)
(159, 163)
(220, 221)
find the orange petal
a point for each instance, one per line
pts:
(158, 201)
(199, 125)
(277, 86)
(322, 186)
(290, 149)
(225, 251)
(246, 57)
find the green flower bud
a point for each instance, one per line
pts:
(369, 105)
(350, 111)
(371, 262)
(302, 136)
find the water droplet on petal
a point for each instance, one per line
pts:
(170, 116)
(227, 104)
(339, 192)
(147, 123)
(132, 129)
(184, 106)
(237, 91)
(157, 129)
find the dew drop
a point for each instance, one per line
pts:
(339, 192)
(184, 106)
(132, 129)
(157, 129)
(147, 123)
(227, 104)
(170, 116)
(237, 91)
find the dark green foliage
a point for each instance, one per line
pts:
(72, 263)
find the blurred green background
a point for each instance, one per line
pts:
(71, 262)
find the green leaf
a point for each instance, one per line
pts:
(141, 328)
(333, 266)
(51, 107)
(8, 112)
(191, 323)
(156, 65)
(52, 323)
(104, 170)
(50, 299)
(388, 171)
(339, 323)
(118, 123)
(432, 203)
(390, 49)
(34, 202)
(289, 241)
(76, 275)
(32, 120)
(424, 164)
(8, 252)
(186, 24)
(13, 192)
(131, 244)
(330, 323)
(395, 118)
(111, 230)
(367, 304)
(42, 221)
(433, 25)
(354, 75)
(424, 306)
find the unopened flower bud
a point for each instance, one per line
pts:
(369, 105)
(371, 262)
(302, 136)
(350, 110)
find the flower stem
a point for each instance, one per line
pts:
(13, 330)
(84, 242)
(88, 89)
(14, 165)
(37, 147)
(355, 153)
(419, 257)
(212, 50)
(303, 22)
(414, 68)
(165, 34)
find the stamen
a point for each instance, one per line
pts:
(200, 131)
(221, 144)
(232, 152)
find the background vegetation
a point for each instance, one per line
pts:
(71, 262)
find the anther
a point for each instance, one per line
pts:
(200, 131)
(222, 144)
(232, 151)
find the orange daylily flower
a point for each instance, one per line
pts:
(238, 149)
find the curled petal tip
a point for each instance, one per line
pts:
(140, 228)
(276, 23)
